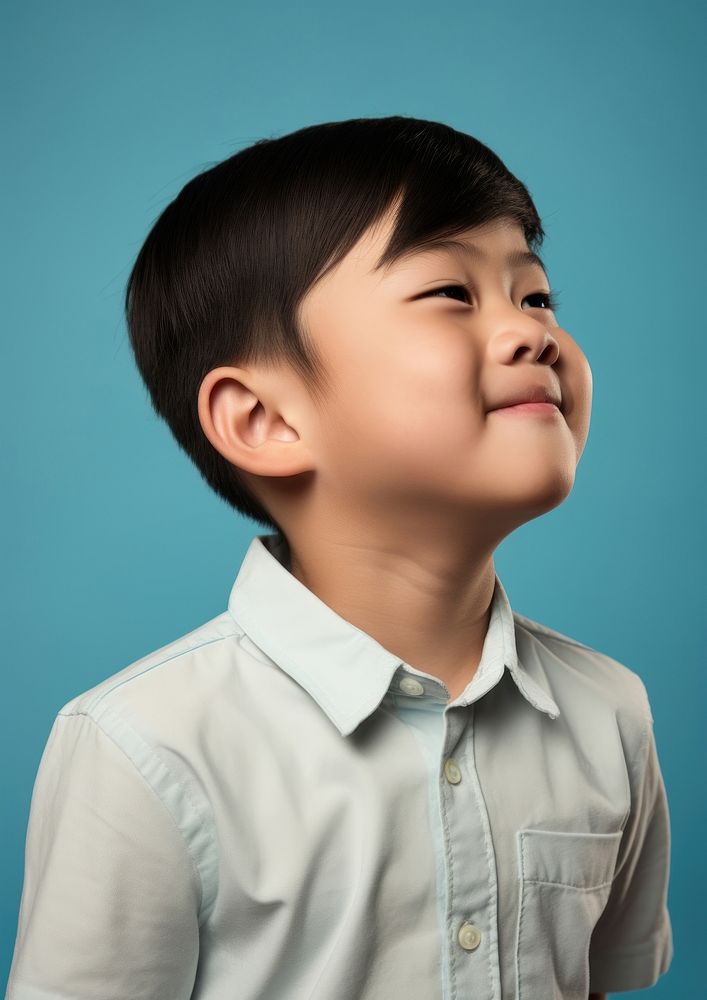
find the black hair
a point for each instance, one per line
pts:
(223, 270)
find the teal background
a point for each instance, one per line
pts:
(112, 544)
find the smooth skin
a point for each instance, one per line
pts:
(396, 492)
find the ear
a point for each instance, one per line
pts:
(240, 414)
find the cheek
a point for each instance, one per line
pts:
(406, 404)
(578, 385)
(426, 380)
(433, 361)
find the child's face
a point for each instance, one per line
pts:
(408, 432)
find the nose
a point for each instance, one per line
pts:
(523, 337)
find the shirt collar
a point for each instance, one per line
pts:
(346, 670)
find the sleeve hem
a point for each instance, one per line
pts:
(630, 968)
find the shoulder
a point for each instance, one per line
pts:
(179, 672)
(148, 724)
(580, 674)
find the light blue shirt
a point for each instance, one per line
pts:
(275, 807)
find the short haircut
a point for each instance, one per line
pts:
(223, 270)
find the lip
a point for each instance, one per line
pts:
(538, 409)
(530, 394)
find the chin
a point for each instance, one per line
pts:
(556, 491)
(537, 492)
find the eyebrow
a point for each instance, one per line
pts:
(516, 258)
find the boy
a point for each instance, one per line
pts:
(369, 777)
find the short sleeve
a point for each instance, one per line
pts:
(632, 944)
(109, 901)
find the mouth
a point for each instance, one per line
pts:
(531, 399)
(530, 409)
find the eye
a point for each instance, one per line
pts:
(548, 300)
(450, 288)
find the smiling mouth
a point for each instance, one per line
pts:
(548, 409)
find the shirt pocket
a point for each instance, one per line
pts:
(565, 880)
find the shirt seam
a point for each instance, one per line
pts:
(196, 874)
(642, 755)
(153, 666)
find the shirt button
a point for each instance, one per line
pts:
(409, 685)
(452, 772)
(469, 936)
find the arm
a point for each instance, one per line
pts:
(109, 902)
(631, 945)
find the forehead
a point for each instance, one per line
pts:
(510, 253)
(501, 242)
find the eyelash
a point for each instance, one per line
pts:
(551, 298)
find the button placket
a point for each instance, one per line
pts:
(471, 960)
